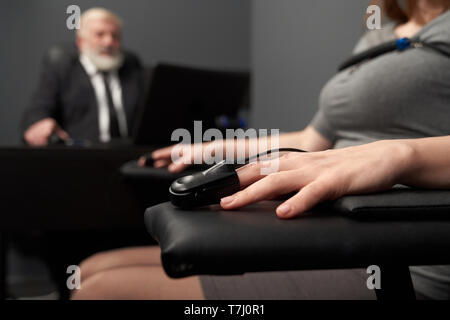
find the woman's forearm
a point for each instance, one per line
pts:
(330, 174)
(428, 163)
(307, 139)
(257, 145)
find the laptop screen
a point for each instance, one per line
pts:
(180, 95)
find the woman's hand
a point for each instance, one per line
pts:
(323, 175)
(161, 158)
(307, 139)
(179, 156)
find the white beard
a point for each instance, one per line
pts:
(104, 62)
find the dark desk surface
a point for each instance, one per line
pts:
(213, 241)
(72, 188)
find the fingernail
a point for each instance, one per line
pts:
(157, 164)
(284, 209)
(227, 200)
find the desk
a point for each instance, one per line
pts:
(61, 188)
(70, 188)
(212, 241)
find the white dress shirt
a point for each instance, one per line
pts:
(102, 101)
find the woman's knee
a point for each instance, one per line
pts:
(94, 287)
(138, 282)
(90, 265)
(117, 258)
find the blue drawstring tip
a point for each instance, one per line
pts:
(242, 122)
(402, 44)
(225, 122)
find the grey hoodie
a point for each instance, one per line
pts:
(395, 95)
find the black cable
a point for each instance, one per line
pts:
(247, 160)
(435, 48)
(369, 54)
(393, 45)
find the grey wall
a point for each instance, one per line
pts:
(295, 48)
(292, 46)
(209, 33)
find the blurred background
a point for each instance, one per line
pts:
(290, 47)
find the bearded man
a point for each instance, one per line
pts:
(92, 93)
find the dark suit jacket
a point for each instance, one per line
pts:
(66, 94)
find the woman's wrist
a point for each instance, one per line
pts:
(407, 161)
(428, 162)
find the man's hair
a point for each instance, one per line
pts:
(97, 13)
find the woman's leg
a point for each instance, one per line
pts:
(136, 273)
(133, 256)
(137, 283)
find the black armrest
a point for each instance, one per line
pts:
(212, 241)
(133, 171)
(151, 185)
(397, 203)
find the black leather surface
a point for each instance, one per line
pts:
(397, 203)
(131, 170)
(212, 241)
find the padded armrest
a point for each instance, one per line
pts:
(132, 170)
(213, 241)
(397, 203)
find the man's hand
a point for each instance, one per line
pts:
(324, 175)
(38, 133)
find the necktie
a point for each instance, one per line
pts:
(114, 129)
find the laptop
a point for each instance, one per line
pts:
(180, 95)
